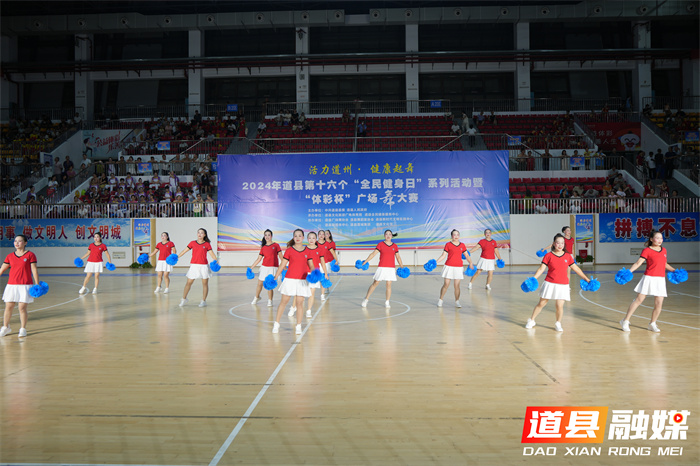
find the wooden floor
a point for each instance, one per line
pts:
(128, 377)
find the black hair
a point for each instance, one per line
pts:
(263, 240)
(23, 237)
(312, 233)
(329, 236)
(97, 233)
(290, 243)
(557, 236)
(647, 243)
(453, 230)
(488, 229)
(166, 234)
(206, 236)
(393, 235)
(563, 229)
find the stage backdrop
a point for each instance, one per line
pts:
(420, 195)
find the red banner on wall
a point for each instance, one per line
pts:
(623, 136)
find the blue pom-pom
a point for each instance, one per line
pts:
(142, 259)
(358, 264)
(215, 266)
(44, 286)
(500, 264)
(623, 276)
(270, 283)
(249, 273)
(679, 276)
(403, 272)
(531, 284)
(284, 273)
(110, 266)
(326, 283)
(314, 276)
(471, 270)
(430, 265)
(171, 259)
(35, 291)
(366, 266)
(334, 266)
(593, 285)
(78, 262)
(541, 253)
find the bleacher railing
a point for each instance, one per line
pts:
(604, 205)
(538, 163)
(148, 112)
(366, 144)
(128, 210)
(361, 106)
(37, 113)
(688, 102)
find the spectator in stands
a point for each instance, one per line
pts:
(305, 126)
(564, 160)
(480, 118)
(564, 193)
(521, 158)
(197, 118)
(346, 116)
(465, 122)
(650, 162)
(361, 129)
(4, 209)
(591, 193)
(492, 118)
(648, 111)
(670, 160)
(261, 128)
(173, 182)
(659, 161)
(472, 135)
(546, 156)
(57, 167)
(456, 130)
(674, 203)
(663, 189)
(577, 191)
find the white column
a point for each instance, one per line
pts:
(412, 75)
(301, 46)
(83, 83)
(195, 80)
(522, 69)
(9, 91)
(641, 76)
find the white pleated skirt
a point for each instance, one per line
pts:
(651, 286)
(315, 285)
(94, 267)
(295, 287)
(162, 266)
(17, 294)
(555, 291)
(198, 271)
(385, 274)
(452, 273)
(486, 264)
(265, 271)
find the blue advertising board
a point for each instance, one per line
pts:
(633, 228)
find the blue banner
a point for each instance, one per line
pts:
(420, 195)
(634, 228)
(163, 145)
(584, 228)
(577, 162)
(66, 233)
(142, 232)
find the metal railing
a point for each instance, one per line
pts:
(119, 210)
(663, 135)
(367, 144)
(498, 141)
(688, 102)
(604, 205)
(538, 163)
(360, 106)
(147, 112)
(54, 113)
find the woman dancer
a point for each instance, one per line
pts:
(386, 271)
(294, 284)
(556, 284)
(22, 265)
(163, 249)
(487, 261)
(319, 263)
(453, 266)
(329, 256)
(653, 282)
(199, 268)
(94, 263)
(569, 242)
(270, 255)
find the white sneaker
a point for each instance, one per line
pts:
(82, 290)
(202, 303)
(298, 329)
(255, 301)
(530, 323)
(292, 311)
(625, 324)
(488, 287)
(308, 313)
(387, 304)
(469, 286)
(157, 289)
(323, 296)
(269, 303)
(654, 328)
(457, 304)
(439, 302)
(4, 331)
(276, 327)
(94, 291)
(22, 333)
(184, 301)
(557, 327)
(364, 302)
(166, 291)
